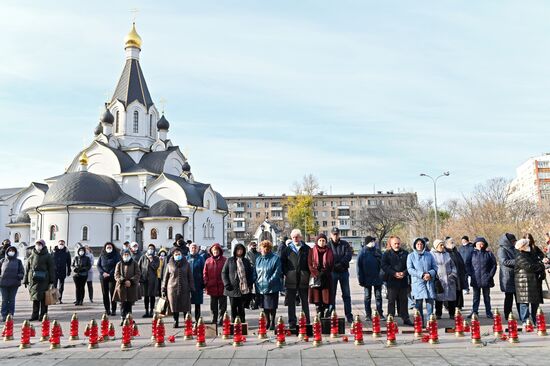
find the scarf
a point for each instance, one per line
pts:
(241, 273)
(328, 258)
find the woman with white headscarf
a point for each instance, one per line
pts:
(447, 275)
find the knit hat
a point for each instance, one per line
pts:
(437, 242)
(510, 237)
(521, 243)
(320, 236)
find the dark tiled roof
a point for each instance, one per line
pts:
(194, 197)
(154, 161)
(43, 187)
(164, 208)
(22, 218)
(131, 85)
(87, 188)
(222, 205)
(125, 161)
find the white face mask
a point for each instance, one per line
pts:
(11, 253)
(126, 259)
(81, 253)
(38, 247)
(108, 250)
(61, 246)
(371, 244)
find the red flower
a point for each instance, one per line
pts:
(172, 339)
(503, 337)
(345, 338)
(425, 338)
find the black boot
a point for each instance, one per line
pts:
(176, 320)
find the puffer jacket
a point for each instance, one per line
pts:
(528, 276)
(107, 262)
(393, 262)
(295, 267)
(11, 271)
(39, 261)
(418, 264)
(483, 266)
(343, 253)
(212, 273)
(466, 253)
(369, 267)
(269, 274)
(507, 259)
(62, 260)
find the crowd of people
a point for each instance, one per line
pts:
(433, 276)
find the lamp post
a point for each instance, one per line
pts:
(434, 180)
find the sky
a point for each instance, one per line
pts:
(365, 95)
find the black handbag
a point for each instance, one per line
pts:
(38, 275)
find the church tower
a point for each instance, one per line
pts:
(135, 115)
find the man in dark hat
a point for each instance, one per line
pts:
(342, 252)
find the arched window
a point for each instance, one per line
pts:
(117, 123)
(150, 125)
(84, 233)
(136, 122)
(170, 232)
(154, 234)
(116, 232)
(208, 229)
(16, 237)
(53, 230)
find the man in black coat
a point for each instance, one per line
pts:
(296, 271)
(342, 252)
(62, 260)
(394, 265)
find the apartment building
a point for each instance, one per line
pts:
(246, 213)
(532, 182)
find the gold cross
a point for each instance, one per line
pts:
(162, 103)
(135, 12)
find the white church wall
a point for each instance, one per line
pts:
(19, 234)
(163, 239)
(133, 185)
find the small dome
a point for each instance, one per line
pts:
(132, 39)
(83, 187)
(163, 123)
(98, 129)
(107, 117)
(186, 167)
(165, 208)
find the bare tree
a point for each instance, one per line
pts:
(309, 186)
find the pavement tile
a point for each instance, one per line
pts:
(172, 362)
(287, 362)
(191, 355)
(319, 362)
(318, 353)
(284, 353)
(153, 353)
(391, 361)
(88, 354)
(212, 362)
(218, 354)
(389, 352)
(41, 362)
(420, 352)
(351, 353)
(143, 362)
(91, 362)
(250, 354)
(14, 362)
(356, 362)
(432, 361)
(247, 362)
(120, 354)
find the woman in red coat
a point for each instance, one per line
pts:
(321, 263)
(213, 282)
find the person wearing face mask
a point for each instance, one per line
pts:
(39, 276)
(6, 243)
(447, 274)
(269, 280)
(369, 269)
(461, 273)
(106, 265)
(212, 275)
(11, 274)
(148, 265)
(422, 269)
(62, 260)
(529, 273)
(90, 279)
(81, 265)
(127, 275)
(483, 266)
(163, 255)
(196, 261)
(177, 285)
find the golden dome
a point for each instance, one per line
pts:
(132, 39)
(83, 158)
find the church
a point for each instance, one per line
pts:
(130, 184)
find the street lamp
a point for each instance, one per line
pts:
(445, 174)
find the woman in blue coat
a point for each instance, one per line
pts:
(422, 269)
(196, 262)
(482, 266)
(269, 280)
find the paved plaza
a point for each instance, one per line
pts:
(451, 351)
